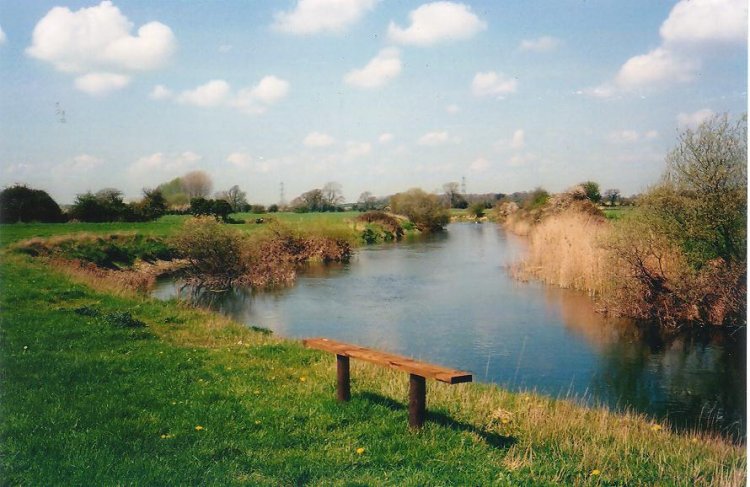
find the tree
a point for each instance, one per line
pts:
(196, 184)
(423, 209)
(453, 193)
(366, 201)
(173, 192)
(236, 198)
(592, 191)
(332, 195)
(702, 200)
(21, 203)
(612, 196)
(312, 200)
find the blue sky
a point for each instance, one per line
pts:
(379, 96)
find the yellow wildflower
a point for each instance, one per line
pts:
(595, 472)
(198, 428)
(302, 379)
(360, 451)
(257, 421)
(655, 427)
(166, 436)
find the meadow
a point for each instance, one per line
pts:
(118, 388)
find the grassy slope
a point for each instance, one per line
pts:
(88, 403)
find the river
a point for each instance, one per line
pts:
(449, 299)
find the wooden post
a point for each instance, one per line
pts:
(417, 401)
(343, 391)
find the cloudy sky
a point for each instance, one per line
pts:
(380, 96)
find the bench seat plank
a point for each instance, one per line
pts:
(398, 362)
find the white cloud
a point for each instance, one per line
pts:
(211, 94)
(380, 70)
(659, 66)
(437, 138)
(3, 37)
(246, 162)
(81, 163)
(518, 141)
(693, 120)
(493, 84)
(651, 134)
(479, 165)
(159, 166)
(356, 150)
(160, 92)
(623, 136)
(385, 138)
(691, 24)
(317, 139)
(313, 16)
(701, 21)
(518, 160)
(100, 84)
(99, 37)
(437, 22)
(540, 44)
(452, 109)
(258, 98)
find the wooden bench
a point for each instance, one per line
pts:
(418, 372)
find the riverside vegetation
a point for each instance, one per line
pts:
(165, 393)
(678, 258)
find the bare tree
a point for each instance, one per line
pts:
(366, 201)
(236, 198)
(453, 193)
(612, 195)
(196, 184)
(332, 194)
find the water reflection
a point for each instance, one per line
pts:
(449, 300)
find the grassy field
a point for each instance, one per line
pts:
(88, 397)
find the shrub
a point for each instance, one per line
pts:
(477, 209)
(21, 203)
(591, 189)
(273, 208)
(104, 206)
(423, 209)
(213, 251)
(258, 209)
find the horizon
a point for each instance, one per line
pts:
(376, 96)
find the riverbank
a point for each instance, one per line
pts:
(89, 395)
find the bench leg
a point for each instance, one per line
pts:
(417, 401)
(343, 391)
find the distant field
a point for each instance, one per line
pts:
(167, 225)
(617, 212)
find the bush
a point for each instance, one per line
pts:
(258, 209)
(477, 209)
(219, 209)
(213, 250)
(423, 209)
(104, 206)
(273, 208)
(20, 203)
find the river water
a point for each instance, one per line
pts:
(449, 299)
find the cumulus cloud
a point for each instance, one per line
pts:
(385, 138)
(479, 164)
(540, 44)
(493, 84)
(160, 92)
(3, 37)
(629, 136)
(246, 162)
(437, 138)
(518, 141)
(436, 22)
(691, 24)
(693, 120)
(97, 40)
(211, 94)
(380, 70)
(317, 139)
(215, 93)
(314, 16)
(159, 166)
(258, 98)
(700, 21)
(100, 84)
(81, 163)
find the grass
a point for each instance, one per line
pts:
(88, 396)
(617, 212)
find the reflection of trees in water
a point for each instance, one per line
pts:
(680, 375)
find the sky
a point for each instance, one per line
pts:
(377, 95)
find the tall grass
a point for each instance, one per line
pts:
(567, 250)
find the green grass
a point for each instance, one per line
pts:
(617, 212)
(168, 225)
(88, 400)
(88, 397)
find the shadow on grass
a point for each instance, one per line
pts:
(442, 419)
